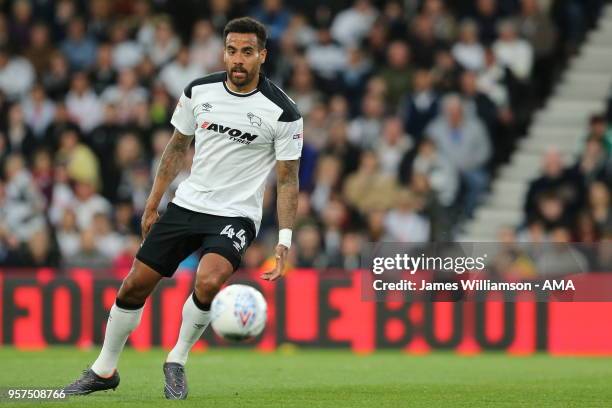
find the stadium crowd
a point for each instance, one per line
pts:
(408, 109)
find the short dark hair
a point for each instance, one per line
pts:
(246, 25)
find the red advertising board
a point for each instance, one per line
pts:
(307, 308)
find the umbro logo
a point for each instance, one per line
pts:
(254, 119)
(206, 107)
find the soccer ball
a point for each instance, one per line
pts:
(239, 312)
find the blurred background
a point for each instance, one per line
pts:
(425, 120)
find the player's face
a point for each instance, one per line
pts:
(242, 57)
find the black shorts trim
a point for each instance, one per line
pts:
(226, 253)
(159, 268)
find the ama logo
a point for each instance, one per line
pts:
(236, 135)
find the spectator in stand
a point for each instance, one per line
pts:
(352, 24)
(124, 51)
(441, 175)
(551, 212)
(275, 17)
(38, 112)
(398, 72)
(333, 217)
(468, 52)
(57, 79)
(103, 74)
(302, 89)
(67, 235)
(354, 77)
(443, 21)
(62, 196)
(492, 80)
(464, 141)
(88, 203)
(600, 208)
(513, 52)
(88, 255)
(537, 27)
(177, 74)
(599, 130)
(165, 43)
(594, 163)
(487, 16)
(79, 48)
(339, 146)
(327, 181)
(309, 253)
(206, 47)
(423, 42)
(83, 104)
(16, 75)
(99, 19)
(420, 106)
(108, 242)
(81, 162)
(445, 72)
(563, 184)
(19, 136)
(21, 24)
(40, 49)
(326, 58)
(42, 174)
(125, 95)
(404, 223)
(364, 131)
(393, 146)
(498, 120)
(24, 205)
(368, 188)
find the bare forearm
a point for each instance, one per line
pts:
(171, 163)
(287, 193)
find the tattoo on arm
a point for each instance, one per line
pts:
(287, 192)
(171, 162)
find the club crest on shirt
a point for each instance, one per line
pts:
(254, 119)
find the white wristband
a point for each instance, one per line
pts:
(284, 237)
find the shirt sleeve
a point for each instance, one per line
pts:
(289, 140)
(182, 118)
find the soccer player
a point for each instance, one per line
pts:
(243, 125)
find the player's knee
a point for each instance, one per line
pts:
(131, 292)
(208, 286)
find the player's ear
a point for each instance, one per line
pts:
(262, 55)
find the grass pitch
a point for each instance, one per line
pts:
(324, 378)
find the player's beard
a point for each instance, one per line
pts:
(240, 82)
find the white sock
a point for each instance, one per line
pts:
(121, 323)
(195, 321)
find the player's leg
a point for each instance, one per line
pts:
(166, 245)
(125, 315)
(213, 271)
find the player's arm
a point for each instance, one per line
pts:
(287, 188)
(171, 163)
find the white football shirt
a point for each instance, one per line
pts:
(238, 139)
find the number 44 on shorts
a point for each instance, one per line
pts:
(229, 231)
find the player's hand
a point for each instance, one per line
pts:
(281, 258)
(149, 217)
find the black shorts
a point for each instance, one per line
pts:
(179, 232)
